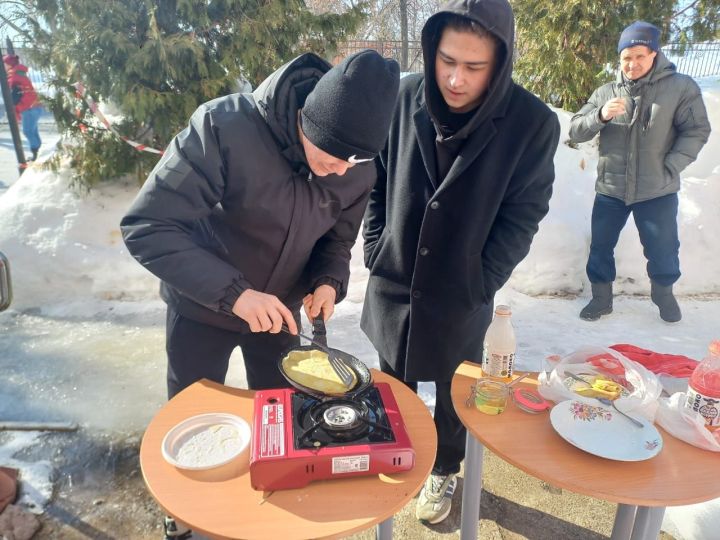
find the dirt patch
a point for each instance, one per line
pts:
(98, 490)
(99, 494)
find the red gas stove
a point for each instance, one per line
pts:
(298, 438)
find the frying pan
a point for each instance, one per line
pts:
(363, 378)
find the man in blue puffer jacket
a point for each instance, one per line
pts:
(652, 124)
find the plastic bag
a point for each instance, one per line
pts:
(684, 425)
(641, 388)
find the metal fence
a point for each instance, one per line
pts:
(697, 59)
(388, 49)
(694, 59)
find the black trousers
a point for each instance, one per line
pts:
(196, 351)
(450, 430)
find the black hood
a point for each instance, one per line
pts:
(282, 94)
(497, 17)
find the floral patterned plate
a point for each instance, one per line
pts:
(604, 432)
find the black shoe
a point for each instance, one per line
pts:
(34, 153)
(662, 297)
(173, 531)
(601, 303)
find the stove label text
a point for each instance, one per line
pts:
(349, 464)
(272, 432)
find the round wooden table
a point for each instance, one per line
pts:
(326, 509)
(680, 474)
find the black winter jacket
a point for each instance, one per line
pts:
(438, 250)
(232, 205)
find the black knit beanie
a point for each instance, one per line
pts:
(348, 112)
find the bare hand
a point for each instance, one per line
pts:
(263, 312)
(614, 107)
(322, 300)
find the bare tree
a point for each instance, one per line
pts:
(386, 19)
(404, 35)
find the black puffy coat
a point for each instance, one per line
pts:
(439, 250)
(232, 205)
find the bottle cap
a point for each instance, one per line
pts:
(705, 378)
(502, 310)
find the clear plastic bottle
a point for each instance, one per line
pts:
(703, 395)
(499, 347)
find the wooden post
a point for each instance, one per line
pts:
(12, 119)
(5, 283)
(38, 426)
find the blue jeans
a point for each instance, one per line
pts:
(656, 222)
(30, 119)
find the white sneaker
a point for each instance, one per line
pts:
(174, 530)
(435, 499)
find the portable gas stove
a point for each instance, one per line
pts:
(298, 438)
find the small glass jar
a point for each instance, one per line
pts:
(490, 396)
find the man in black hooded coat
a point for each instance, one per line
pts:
(465, 178)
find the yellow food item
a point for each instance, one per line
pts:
(599, 387)
(595, 392)
(313, 370)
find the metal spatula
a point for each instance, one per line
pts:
(343, 371)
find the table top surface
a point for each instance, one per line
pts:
(680, 474)
(326, 509)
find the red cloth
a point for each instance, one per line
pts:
(608, 364)
(674, 365)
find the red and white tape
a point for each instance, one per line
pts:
(80, 91)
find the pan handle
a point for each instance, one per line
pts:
(319, 331)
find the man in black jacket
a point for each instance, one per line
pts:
(253, 209)
(465, 178)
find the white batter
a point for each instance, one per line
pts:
(211, 446)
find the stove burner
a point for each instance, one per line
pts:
(340, 416)
(338, 421)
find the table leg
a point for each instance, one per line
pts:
(385, 529)
(624, 520)
(648, 521)
(472, 487)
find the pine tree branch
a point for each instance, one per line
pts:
(15, 27)
(686, 8)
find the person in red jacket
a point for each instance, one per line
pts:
(27, 106)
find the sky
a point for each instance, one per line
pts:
(83, 339)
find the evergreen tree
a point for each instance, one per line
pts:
(567, 49)
(157, 60)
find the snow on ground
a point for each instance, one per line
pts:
(83, 339)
